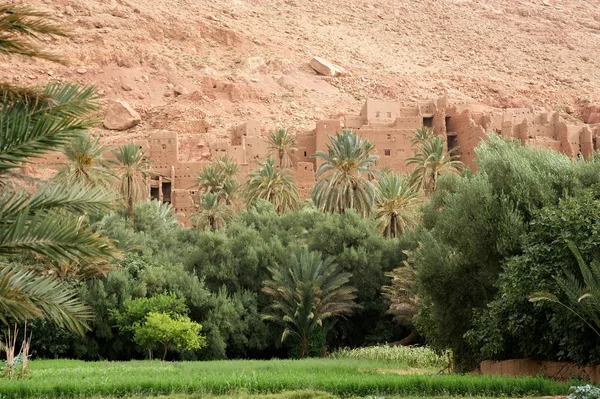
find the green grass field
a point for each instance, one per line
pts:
(340, 377)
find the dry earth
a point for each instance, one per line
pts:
(233, 60)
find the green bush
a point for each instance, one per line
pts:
(474, 224)
(511, 326)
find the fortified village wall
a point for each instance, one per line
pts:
(389, 125)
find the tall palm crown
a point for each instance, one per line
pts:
(85, 163)
(220, 177)
(421, 135)
(132, 169)
(49, 221)
(431, 160)
(276, 186)
(395, 205)
(282, 144)
(305, 293)
(212, 213)
(344, 175)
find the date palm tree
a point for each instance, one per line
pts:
(220, 177)
(403, 298)
(395, 204)
(344, 175)
(421, 135)
(212, 212)
(431, 160)
(282, 144)
(47, 222)
(132, 169)
(305, 293)
(85, 163)
(276, 186)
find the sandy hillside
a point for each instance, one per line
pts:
(239, 59)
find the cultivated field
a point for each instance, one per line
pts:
(340, 377)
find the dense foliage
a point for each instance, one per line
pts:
(474, 228)
(511, 326)
(219, 275)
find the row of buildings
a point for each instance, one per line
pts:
(389, 125)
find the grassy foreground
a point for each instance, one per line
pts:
(341, 377)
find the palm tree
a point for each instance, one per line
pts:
(345, 175)
(220, 177)
(431, 160)
(395, 205)
(583, 298)
(85, 163)
(48, 221)
(402, 295)
(283, 144)
(276, 186)
(212, 213)
(421, 135)
(132, 169)
(306, 293)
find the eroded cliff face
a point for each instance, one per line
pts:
(201, 67)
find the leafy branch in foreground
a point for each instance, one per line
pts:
(584, 298)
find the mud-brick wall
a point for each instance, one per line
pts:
(562, 371)
(468, 135)
(306, 146)
(304, 173)
(183, 203)
(393, 146)
(324, 129)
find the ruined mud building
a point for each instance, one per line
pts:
(389, 125)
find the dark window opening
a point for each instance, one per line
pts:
(452, 142)
(304, 153)
(166, 189)
(154, 193)
(447, 121)
(428, 122)
(387, 152)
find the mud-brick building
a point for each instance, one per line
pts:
(389, 125)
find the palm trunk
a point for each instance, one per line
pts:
(303, 346)
(393, 226)
(281, 155)
(130, 198)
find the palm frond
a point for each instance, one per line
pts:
(25, 295)
(277, 186)
(344, 175)
(20, 25)
(77, 198)
(53, 234)
(30, 130)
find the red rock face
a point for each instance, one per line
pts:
(591, 113)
